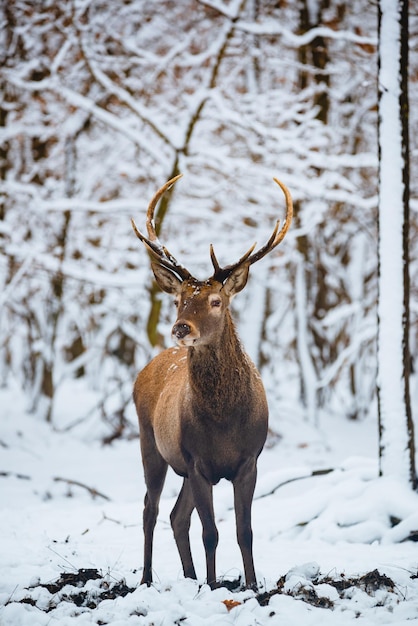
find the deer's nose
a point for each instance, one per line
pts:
(180, 330)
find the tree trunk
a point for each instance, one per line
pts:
(396, 431)
(315, 54)
(310, 275)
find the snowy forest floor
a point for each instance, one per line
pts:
(334, 544)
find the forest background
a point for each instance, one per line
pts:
(101, 103)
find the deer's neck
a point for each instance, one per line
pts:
(220, 374)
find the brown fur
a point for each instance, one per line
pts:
(202, 409)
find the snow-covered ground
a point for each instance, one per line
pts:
(322, 537)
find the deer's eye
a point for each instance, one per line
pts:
(215, 302)
(176, 303)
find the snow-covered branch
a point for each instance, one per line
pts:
(125, 97)
(270, 28)
(89, 106)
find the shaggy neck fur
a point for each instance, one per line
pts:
(219, 375)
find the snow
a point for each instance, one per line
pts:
(309, 529)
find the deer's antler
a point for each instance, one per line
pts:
(161, 255)
(157, 251)
(221, 273)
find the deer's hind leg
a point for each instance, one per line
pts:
(180, 523)
(203, 497)
(155, 470)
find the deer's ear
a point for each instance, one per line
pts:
(166, 280)
(237, 280)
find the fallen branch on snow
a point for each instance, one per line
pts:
(92, 490)
(321, 472)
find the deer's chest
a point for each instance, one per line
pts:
(219, 449)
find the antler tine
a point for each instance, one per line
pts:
(221, 273)
(275, 238)
(277, 235)
(214, 260)
(157, 251)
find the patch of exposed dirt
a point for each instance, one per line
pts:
(75, 579)
(74, 583)
(70, 587)
(369, 583)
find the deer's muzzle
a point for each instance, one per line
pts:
(180, 330)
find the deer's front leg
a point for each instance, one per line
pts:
(203, 498)
(180, 522)
(244, 485)
(155, 469)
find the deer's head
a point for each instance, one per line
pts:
(201, 305)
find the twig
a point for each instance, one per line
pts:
(92, 490)
(109, 519)
(63, 558)
(321, 472)
(15, 475)
(9, 599)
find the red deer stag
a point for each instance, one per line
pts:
(201, 405)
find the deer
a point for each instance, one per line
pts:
(201, 404)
